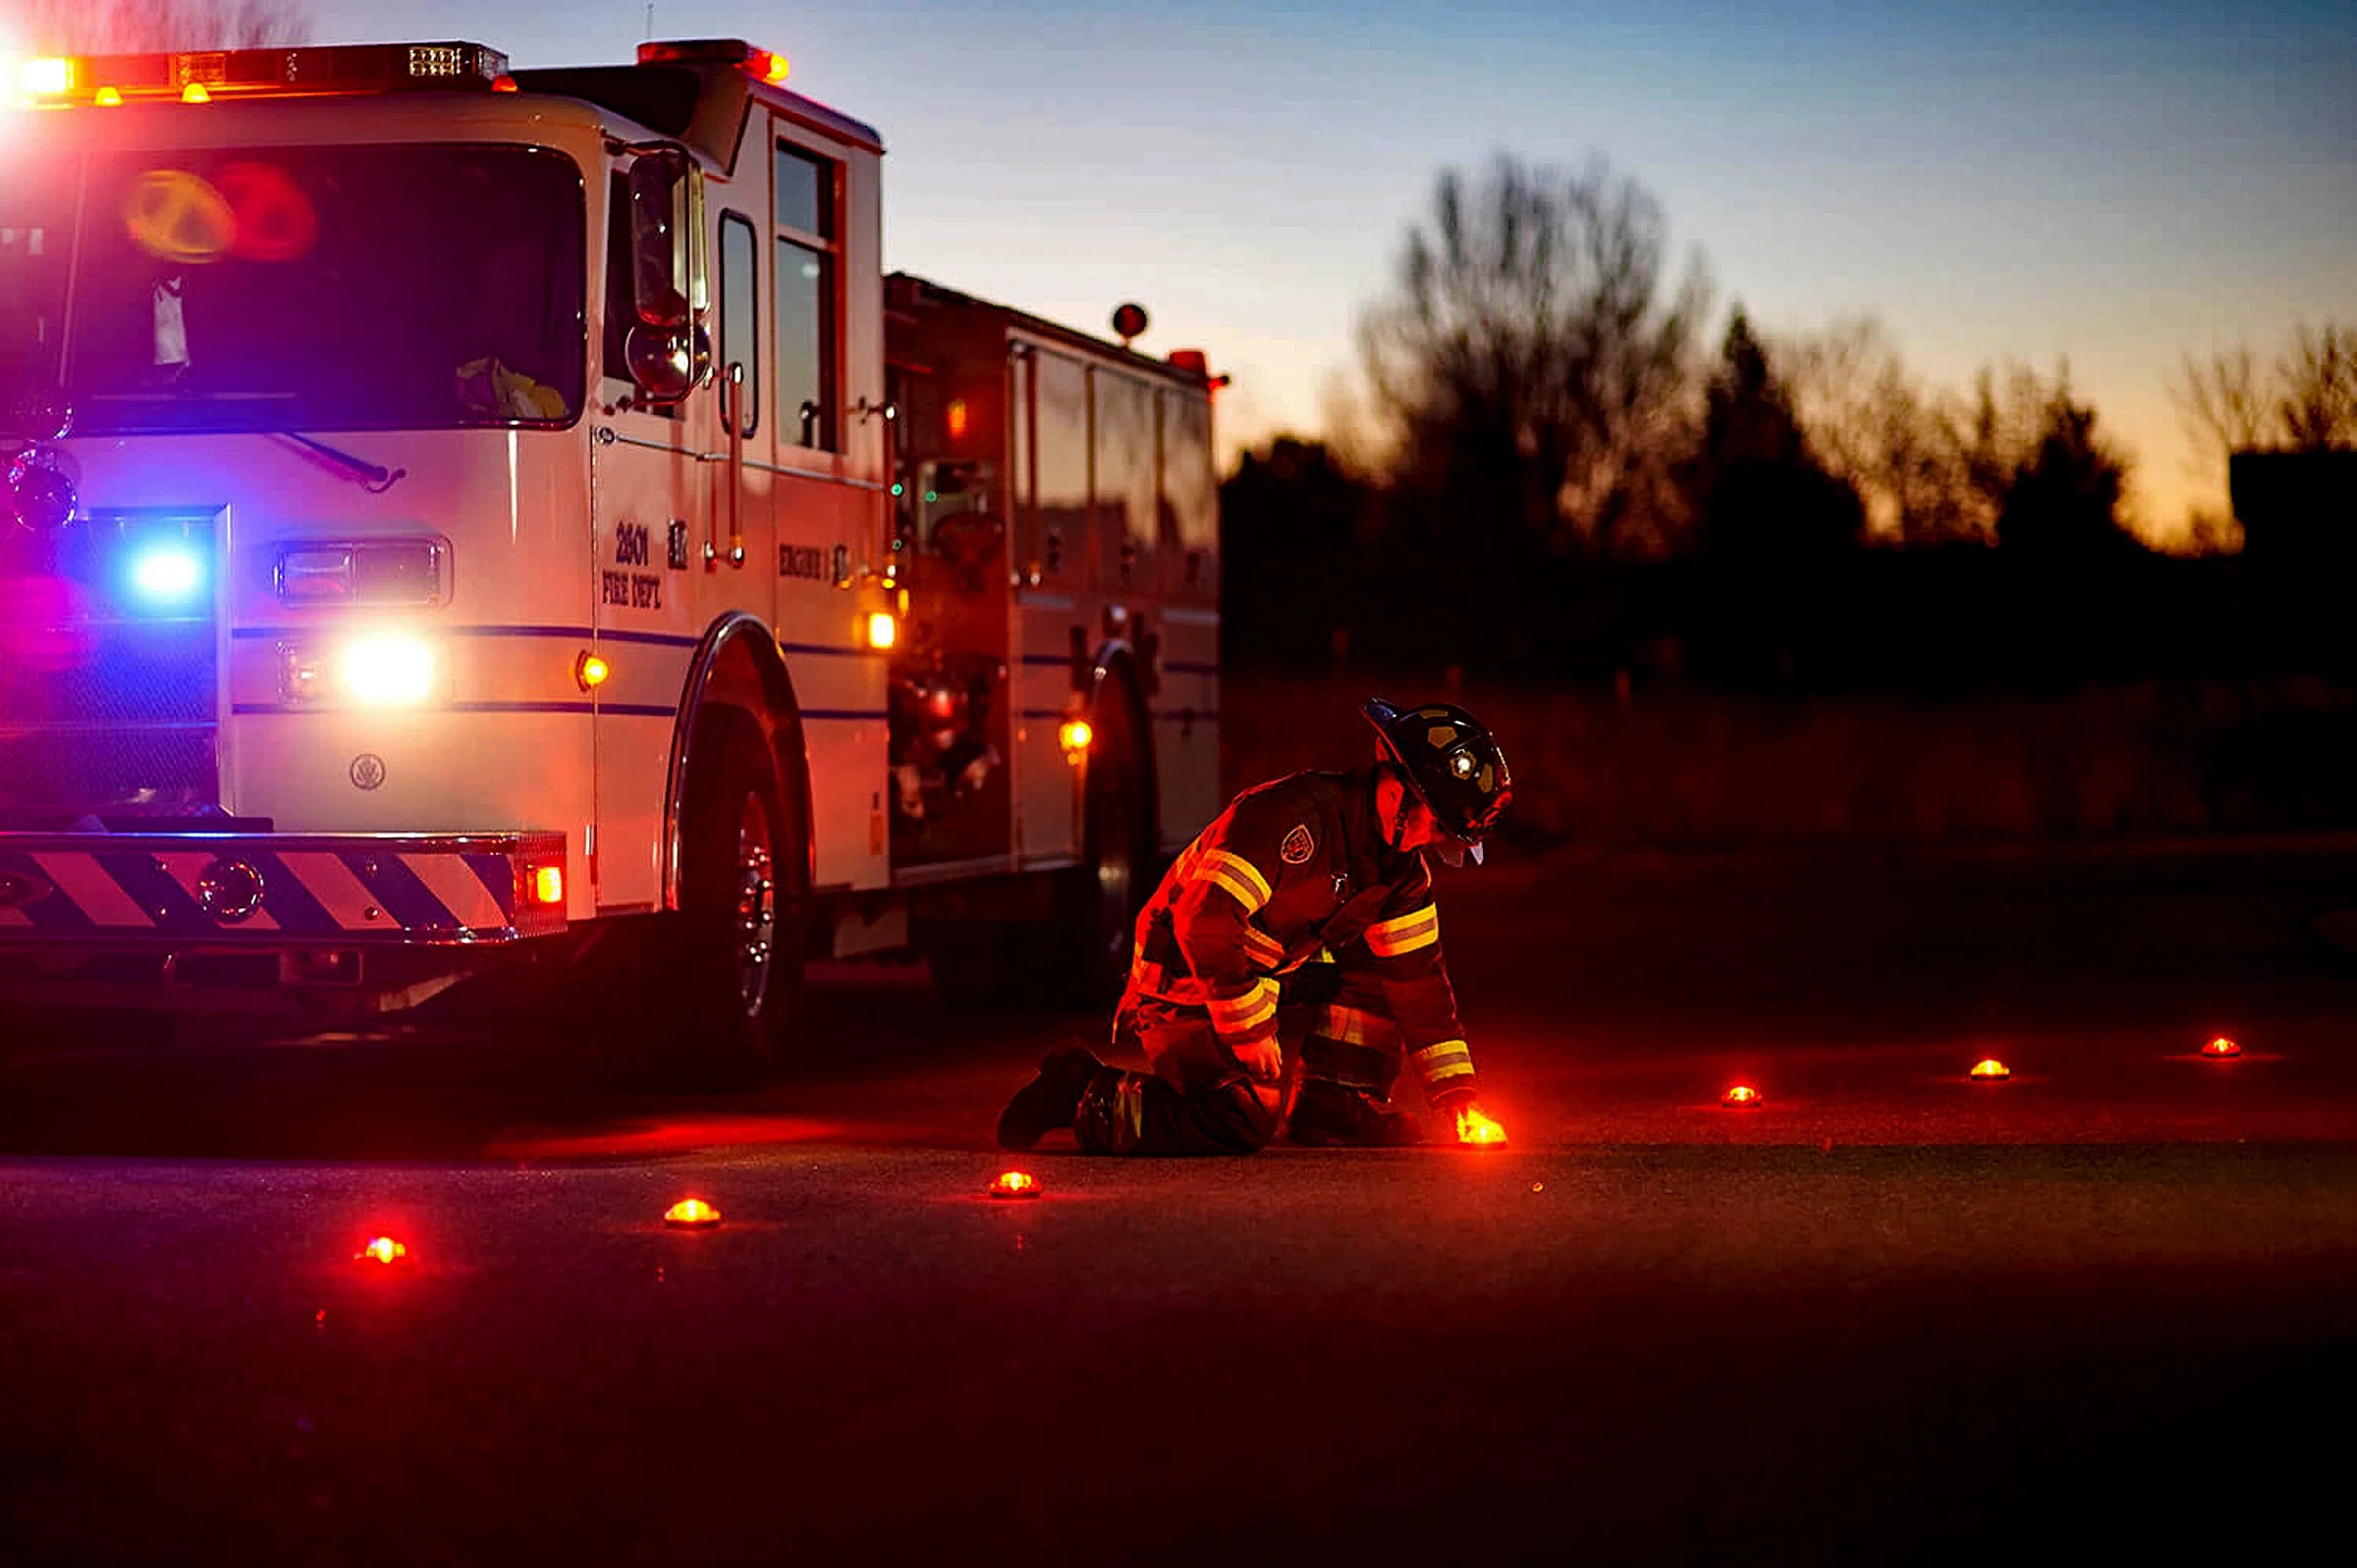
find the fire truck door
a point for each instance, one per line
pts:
(663, 491)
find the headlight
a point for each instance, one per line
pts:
(386, 670)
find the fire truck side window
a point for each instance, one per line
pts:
(805, 298)
(740, 337)
(1188, 521)
(1125, 479)
(1061, 396)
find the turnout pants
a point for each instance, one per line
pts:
(1196, 1100)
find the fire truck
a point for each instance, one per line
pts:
(470, 528)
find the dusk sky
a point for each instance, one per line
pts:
(2115, 184)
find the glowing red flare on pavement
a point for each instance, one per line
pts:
(1472, 1128)
(1014, 1184)
(691, 1213)
(1991, 1071)
(1742, 1097)
(2221, 1047)
(381, 1249)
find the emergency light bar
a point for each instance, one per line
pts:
(200, 76)
(762, 64)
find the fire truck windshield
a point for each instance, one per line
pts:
(36, 218)
(305, 288)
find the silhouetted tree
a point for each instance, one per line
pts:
(2062, 500)
(1532, 358)
(2317, 389)
(1759, 492)
(128, 26)
(1871, 424)
(2305, 401)
(1292, 522)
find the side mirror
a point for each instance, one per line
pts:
(659, 246)
(666, 364)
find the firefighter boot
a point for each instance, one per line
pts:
(1328, 1113)
(1049, 1101)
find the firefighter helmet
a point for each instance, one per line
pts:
(1451, 762)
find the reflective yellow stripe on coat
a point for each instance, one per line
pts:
(1420, 927)
(1250, 1012)
(1238, 876)
(1352, 1025)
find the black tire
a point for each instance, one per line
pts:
(1098, 908)
(718, 984)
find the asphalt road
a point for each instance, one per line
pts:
(1888, 1316)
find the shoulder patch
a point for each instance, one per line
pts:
(1297, 847)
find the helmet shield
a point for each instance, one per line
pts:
(1451, 762)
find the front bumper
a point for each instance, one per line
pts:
(81, 891)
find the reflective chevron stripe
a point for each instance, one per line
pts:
(124, 886)
(1388, 939)
(1238, 874)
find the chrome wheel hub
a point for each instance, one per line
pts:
(756, 928)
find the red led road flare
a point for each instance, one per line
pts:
(1742, 1097)
(692, 1214)
(1477, 1130)
(1989, 1070)
(381, 1249)
(2221, 1050)
(1014, 1184)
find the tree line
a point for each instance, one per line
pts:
(1552, 463)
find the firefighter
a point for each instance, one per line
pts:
(1311, 891)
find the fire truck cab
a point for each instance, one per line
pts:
(464, 524)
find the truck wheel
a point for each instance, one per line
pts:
(727, 980)
(1099, 917)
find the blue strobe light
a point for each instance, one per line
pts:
(166, 574)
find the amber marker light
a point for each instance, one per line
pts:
(1742, 1097)
(883, 630)
(548, 885)
(692, 1214)
(591, 672)
(1989, 1070)
(2221, 1050)
(1074, 735)
(1479, 1130)
(108, 98)
(194, 92)
(1014, 1184)
(381, 1249)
